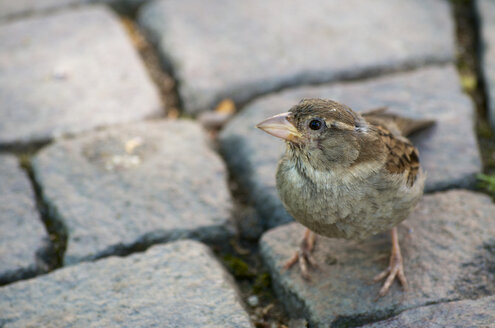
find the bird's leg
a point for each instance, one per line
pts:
(303, 254)
(395, 267)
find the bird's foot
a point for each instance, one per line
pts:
(303, 255)
(394, 269)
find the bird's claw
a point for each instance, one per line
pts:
(394, 269)
(303, 256)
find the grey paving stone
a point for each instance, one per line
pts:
(69, 72)
(477, 313)
(131, 186)
(240, 49)
(486, 18)
(176, 285)
(23, 239)
(448, 151)
(448, 244)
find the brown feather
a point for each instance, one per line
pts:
(402, 156)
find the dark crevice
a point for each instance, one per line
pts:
(21, 148)
(243, 260)
(160, 72)
(57, 232)
(40, 12)
(470, 71)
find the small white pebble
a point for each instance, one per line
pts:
(253, 301)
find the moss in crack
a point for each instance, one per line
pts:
(486, 182)
(254, 282)
(238, 267)
(262, 283)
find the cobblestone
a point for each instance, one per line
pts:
(23, 239)
(132, 186)
(469, 313)
(177, 285)
(69, 72)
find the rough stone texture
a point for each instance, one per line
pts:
(486, 18)
(240, 49)
(448, 151)
(478, 313)
(23, 238)
(69, 72)
(177, 285)
(448, 245)
(131, 186)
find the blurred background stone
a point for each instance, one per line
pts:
(486, 18)
(69, 72)
(239, 50)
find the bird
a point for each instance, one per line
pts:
(347, 175)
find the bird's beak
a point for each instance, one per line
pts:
(280, 127)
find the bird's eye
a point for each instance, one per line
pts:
(315, 124)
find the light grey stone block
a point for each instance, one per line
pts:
(127, 187)
(176, 285)
(23, 239)
(469, 313)
(69, 72)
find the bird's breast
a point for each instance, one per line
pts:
(352, 204)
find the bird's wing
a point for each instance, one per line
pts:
(395, 123)
(402, 156)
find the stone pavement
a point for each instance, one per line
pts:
(133, 186)
(111, 176)
(239, 50)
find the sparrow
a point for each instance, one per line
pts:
(347, 175)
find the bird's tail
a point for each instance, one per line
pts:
(406, 126)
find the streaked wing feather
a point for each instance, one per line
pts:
(402, 156)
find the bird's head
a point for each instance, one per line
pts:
(322, 133)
